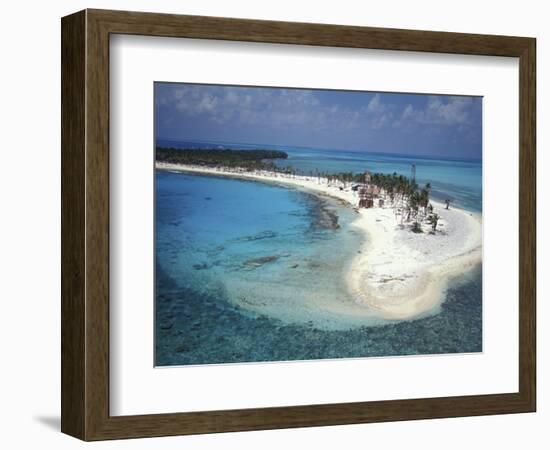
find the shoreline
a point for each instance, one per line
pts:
(396, 274)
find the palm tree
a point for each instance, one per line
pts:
(435, 219)
(414, 204)
(424, 198)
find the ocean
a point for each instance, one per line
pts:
(244, 269)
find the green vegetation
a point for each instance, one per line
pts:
(246, 159)
(409, 201)
(433, 219)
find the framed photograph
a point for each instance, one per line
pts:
(273, 225)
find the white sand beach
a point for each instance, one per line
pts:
(397, 274)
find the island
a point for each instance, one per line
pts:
(244, 159)
(414, 246)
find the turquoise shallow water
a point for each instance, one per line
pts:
(457, 179)
(237, 263)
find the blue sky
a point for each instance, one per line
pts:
(435, 125)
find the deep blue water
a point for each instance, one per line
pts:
(246, 271)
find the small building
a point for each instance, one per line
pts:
(367, 192)
(365, 197)
(366, 203)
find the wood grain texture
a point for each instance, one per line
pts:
(97, 226)
(73, 226)
(85, 224)
(527, 224)
(201, 27)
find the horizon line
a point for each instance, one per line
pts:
(423, 155)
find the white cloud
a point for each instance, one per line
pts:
(375, 105)
(408, 112)
(439, 111)
(249, 106)
(454, 111)
(284, 109)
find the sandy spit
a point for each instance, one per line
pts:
(397, 274)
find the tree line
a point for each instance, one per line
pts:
(247, 159)
(408, 199)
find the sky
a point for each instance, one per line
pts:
(412, 124)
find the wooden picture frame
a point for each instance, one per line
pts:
(85, 224)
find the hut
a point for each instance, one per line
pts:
(365, 197)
